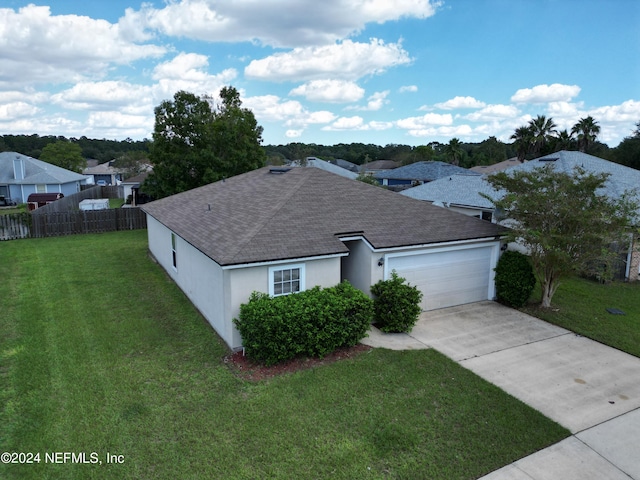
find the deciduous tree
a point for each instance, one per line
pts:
(196, 142)
(564, 220)
(64, 154)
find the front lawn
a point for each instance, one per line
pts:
(101, 353)
(581, 305)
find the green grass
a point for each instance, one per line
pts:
(100, 352)
(17, 209)
(580, 305)
(116, 202)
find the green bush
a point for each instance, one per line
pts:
(514, 279)
(396, 304)
(312, 323)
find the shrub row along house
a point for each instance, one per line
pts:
(283, 230)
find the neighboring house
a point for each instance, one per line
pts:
(377, 166)
(279, 230)
(496, 167)
(20, 176)
(131, 187)
(352, 167)
(462, 193)
(104, 174)
(418, 173)
(327, 166)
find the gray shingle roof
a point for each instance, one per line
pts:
(36, 171)
(422, 171)
(329, 167)
(462, 190)
(262, 216)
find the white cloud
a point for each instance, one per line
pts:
(408, 88)
(271, 108)
(491, 112)
(460, 102)
(330, 91)
(377, 101)
(293, 133)
(347, 60)
(347, 123)
(108, 94)
(418, 123)
(188, 71)
(37, 47)
(628, 111)
(280, 23)
(444, 132)
(16, 110)
(546, 93)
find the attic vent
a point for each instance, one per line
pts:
(278, 170)
(549, 159)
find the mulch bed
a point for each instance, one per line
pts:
(247, 369)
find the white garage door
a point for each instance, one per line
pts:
(447, 278)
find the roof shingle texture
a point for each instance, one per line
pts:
(261, 216)
(423, 171)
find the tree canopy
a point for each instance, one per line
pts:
(564, 220)
(64, 154)
(196, 142)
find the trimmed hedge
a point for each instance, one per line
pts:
(396, 304)
(514, 279)
(312, 323)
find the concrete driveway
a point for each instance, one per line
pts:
(591, 389)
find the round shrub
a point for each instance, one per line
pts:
(396, 305)
(514, 279)
(312, 323)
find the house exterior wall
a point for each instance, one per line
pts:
(20, 192)
(244, 281)
(217, 292)
(634, 269)
(361, 267)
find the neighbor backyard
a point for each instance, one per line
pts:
(102, 357)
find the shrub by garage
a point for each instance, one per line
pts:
(396, 304)
(515, 279)
(312, 323)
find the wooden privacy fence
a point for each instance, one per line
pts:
(71, 223)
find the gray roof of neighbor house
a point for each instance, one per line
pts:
(379, 165)
(422, 171)
(461, 189)
(36, 171)
(496, 167)
(303, 212)
(329, 167)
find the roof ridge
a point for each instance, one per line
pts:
(258, 227)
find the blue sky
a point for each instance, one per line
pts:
(337, 71)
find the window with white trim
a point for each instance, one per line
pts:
(174, 255)
(286, 279)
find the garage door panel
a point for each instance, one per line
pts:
(447, 278)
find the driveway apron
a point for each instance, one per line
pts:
(591, 389)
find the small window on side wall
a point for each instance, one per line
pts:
(174, 256)
(286, 279)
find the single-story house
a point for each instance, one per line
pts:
(131, 187)
(418, 173)
(496, 167)
(20, 176)
(377, 166)
(328, 166)
(462, 192)
(281, 230)
(104, 173)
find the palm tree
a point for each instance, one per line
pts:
(587, 129)
(453, 151)
(542, 129)
(565, 140)
(523, 140)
